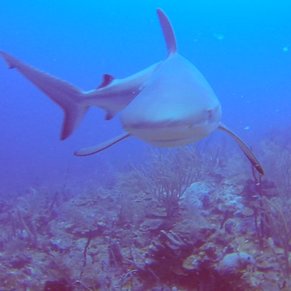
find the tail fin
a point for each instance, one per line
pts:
(64, 94)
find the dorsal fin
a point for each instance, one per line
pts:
(168, 32)
(107, 79)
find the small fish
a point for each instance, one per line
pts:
(170, 103)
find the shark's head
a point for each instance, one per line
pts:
(176, 107)
(172, 131)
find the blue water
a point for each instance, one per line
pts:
(242, 47)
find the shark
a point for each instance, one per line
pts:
(168, 104)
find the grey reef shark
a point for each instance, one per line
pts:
(167, 104)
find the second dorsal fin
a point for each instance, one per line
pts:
(107, 79)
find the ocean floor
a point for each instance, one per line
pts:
(183, 220)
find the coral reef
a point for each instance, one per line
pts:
(165, 224)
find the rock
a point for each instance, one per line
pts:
(61, 284)
(151, 224)
(235, 262)
(197, 194)
(194, 231)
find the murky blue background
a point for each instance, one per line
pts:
(242, 47)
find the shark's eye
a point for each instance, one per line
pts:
(213, 113)
(210, 114)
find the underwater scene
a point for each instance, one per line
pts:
(145, 145)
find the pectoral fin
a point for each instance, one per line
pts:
(98, 148)
(251, 157)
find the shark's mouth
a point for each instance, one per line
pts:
(172, 134)
(172, 141)
(169, 140)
